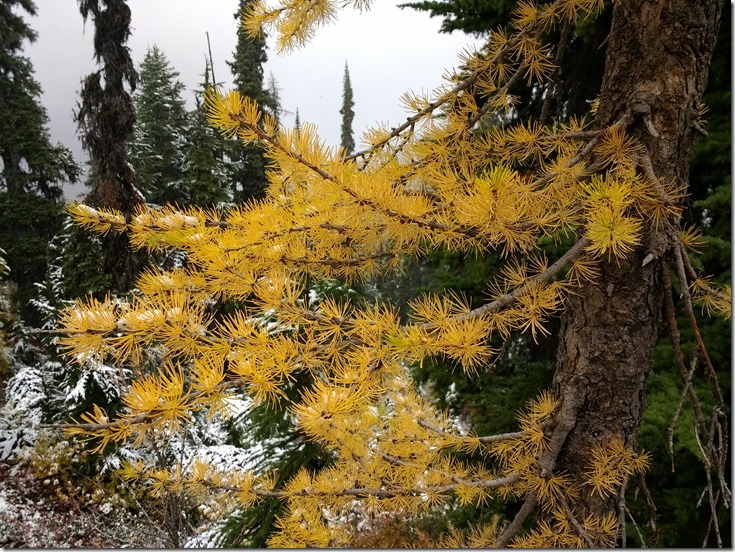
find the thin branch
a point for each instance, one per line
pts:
(577, 526)
(621, 512)
(699, 424)
(376, 492)
(484, 439)
(677, 412)
(565, 420)
(678, 255)
(653, 517)
(571, 255)
(637, 529)
(561, 47)
(515, 526)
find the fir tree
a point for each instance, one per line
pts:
(157, 148)
(207, 170)
(32, 170)
(106, 122)
(249, 179)
(348, 114)
(29, 163)
(274, 93)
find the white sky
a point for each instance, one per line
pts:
(389, 51)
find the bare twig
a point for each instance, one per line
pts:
(561, 47)
(575, 523)
(515, 526)
(679, 254)
(621, 512)
(677, 412)
(653, 517)
(637, 529)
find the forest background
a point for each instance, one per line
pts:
(177, 157)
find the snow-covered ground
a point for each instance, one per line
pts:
(42, 513)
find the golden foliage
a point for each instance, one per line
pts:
(449, 177)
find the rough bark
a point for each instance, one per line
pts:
(656, 72)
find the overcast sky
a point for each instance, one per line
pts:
(389, 51)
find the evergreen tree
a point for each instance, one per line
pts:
(27, 225)
(28, 160)
(32, 170)
(249, 179)
(106, 122)
(207, 169)
(157, 148)
(274, 92)
(297, 122)
(348, 114)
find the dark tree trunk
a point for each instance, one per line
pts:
(656, 72)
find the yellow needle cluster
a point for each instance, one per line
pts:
(450, 177)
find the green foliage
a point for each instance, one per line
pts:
(82, 265)
(348, 114)
(28, 161)
(249, 180)
(28, 224)
(470, 16)
(206, 175)
(157, 148)
(577, 82)
(710, 181)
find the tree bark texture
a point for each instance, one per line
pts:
(656, 71)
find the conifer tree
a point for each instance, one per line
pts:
(577, 49)
(348, 114)
(106, 122)
(207, 170)
(274, 92)
(614, 185)
(29, 163)
(157, 148)
(32, 170)
(249, 180)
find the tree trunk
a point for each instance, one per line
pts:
(656, 72)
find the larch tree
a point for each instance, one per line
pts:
(576, 48)
(157, 147)
(578, 51)
(348, 114)
(446, 178)
(106, 122)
